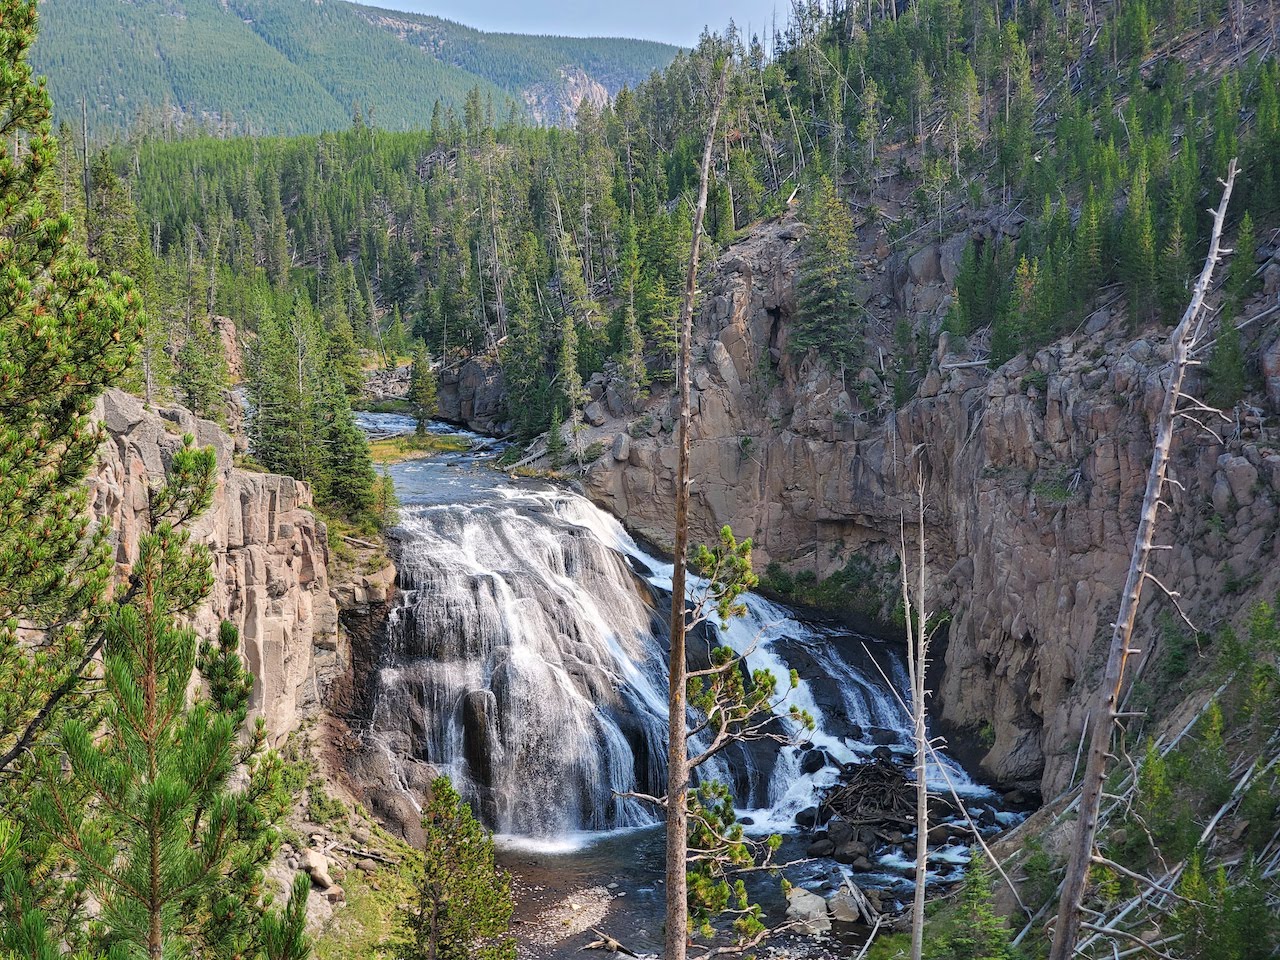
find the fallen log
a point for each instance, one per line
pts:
(608, 944)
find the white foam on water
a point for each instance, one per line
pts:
(523, 635)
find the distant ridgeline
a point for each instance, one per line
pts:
(289, 66)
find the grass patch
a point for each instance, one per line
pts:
(364, 925)
(389, 405)
(412, 446)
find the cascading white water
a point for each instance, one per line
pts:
(527, 659)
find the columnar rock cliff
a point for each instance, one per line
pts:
(1034, 474)
(270, 553)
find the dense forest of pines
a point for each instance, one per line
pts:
(294, 66)
(559, 254)
(560, 251)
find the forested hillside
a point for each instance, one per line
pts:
(291, 67)
(562, 251)
(1073, 153)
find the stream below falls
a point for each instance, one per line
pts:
(525, 657)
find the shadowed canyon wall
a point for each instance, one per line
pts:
(1034, 474)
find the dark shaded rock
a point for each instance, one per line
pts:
(820, 848)
(851, 851)
(839, 831)
(814, 761)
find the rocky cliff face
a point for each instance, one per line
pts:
(270, 553)
(557, 101)
(1033, 478)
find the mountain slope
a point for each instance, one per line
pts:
(292, 66)
(189, 56)
(526, 65)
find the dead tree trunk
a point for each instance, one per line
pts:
(1183, 340)
(917, 664)
(676, 939)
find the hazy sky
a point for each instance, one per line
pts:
(674, 21)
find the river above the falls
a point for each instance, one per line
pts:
(526, 658)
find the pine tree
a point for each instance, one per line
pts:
(1138, 248)
(570, 380)
(825, 290)
(1241, 282)
(1086, 262)
(346, 481)
(1015, 327)
(635, 375)
(394, 340)
(344, 356)
(464, 905)
(1225, 369)
(980, 933)
(422, 387)
(962, 109)
(66, 332)
(201, 370)
(1173, 277)
(140, 799)
(524, 362)
(555, 441)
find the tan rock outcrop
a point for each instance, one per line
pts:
(1034, 473)
(269, 551)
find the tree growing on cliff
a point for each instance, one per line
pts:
(826, 308)
(66, 332)
(139, 799)
(464, 901)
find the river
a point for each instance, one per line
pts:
(526, 658)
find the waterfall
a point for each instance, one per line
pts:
(526, 658)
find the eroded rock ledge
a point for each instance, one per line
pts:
(1034, 475)
(270, 554)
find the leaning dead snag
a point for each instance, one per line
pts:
(1177, 404)
(676, 938)
(917, 665)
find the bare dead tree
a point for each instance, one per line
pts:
(1177, 405)
(677, 934)
(917, 664)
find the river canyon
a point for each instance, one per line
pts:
(525, 656)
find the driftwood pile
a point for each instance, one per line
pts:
(871, 794)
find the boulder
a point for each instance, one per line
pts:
(807, 817)
(594, 414)
(949, 257)
(925, 265)
(820, 848)
(622, 447)
(335, 894)
(813, 761)
(809, 909)
(1241, 476)
(615, 400)
(840, 832)
(851, 851)
(316, 864)
(850, 906)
